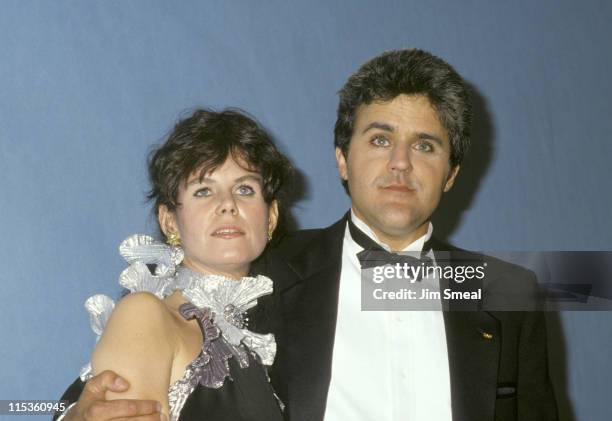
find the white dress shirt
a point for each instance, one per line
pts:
(387, 365)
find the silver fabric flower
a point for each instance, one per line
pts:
(146, 249)
(142, 250)
(229, 300)
(137, 278)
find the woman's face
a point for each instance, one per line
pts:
(223, 220)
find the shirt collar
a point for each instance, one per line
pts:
(416, 245)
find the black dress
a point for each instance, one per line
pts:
(226, 381)
(246, 395)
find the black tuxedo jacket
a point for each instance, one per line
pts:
(498, 360)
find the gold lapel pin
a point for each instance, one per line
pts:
(486, 335)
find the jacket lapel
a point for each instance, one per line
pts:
(473, 353)
(473, 342)
(309, 307)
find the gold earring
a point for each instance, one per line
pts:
(270, 232)
(174, 239)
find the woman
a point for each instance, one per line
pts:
(215, 184)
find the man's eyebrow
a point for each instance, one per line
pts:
(389, 128)
(429, 136)
(378, 125)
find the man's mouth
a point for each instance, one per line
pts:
(400, 188)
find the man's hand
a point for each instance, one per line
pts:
(92, 405)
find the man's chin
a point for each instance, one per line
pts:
(398, 224)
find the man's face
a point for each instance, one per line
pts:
(397, 167)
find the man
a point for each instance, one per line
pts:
(402, 130)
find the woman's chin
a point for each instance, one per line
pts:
(232, 266)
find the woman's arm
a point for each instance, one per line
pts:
(139, 343)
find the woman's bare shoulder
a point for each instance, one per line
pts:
(143, 309)
(142, 300)
(139, 317)
(139, 343)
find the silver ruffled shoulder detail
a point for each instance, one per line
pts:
(137, 278)
(145, 249)
(228, 301)
(142, 250)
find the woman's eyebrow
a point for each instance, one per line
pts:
(252, 177)
(198, 180)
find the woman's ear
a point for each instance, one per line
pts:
(272, 216)
(167, 220)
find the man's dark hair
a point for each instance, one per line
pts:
(411, 72)
(202, 142)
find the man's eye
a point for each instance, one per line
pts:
(380, 141)
(245, 190)
(203, 192)
(424, 147)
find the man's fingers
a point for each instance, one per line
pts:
(93, 406)
(122, 408)
(106, 380)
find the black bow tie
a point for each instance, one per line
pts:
(374, 255)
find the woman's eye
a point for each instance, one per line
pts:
(203, 192)
(245, 190)
(424, 147)
(380, 141)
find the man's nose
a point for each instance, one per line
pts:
(399, 160)
(227, 205)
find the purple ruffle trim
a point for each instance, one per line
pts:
(211, 367)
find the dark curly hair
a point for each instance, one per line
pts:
(202, 142)
(411, 72)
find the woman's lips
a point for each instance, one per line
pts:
(228, 232)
